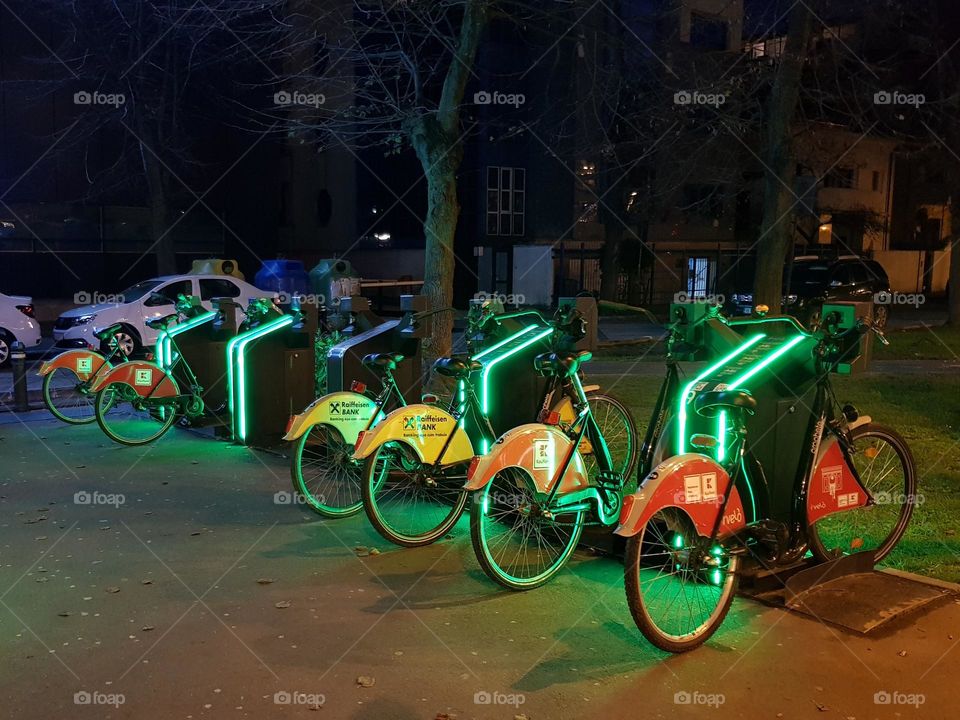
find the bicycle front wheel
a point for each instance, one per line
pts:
(886, 468)
(128, 419)
(68, 397)
(325, 474)
(620, 433)
(679, 586)
(518, 543)
(409, 503)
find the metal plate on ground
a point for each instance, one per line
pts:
(863, 601)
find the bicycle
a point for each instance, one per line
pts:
(416, 459)
(701, 517)
(68, 379)
(322, 468)
(137, 402)
(534, 491)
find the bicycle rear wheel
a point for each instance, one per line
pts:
(128, 419)
(679, 588)
(888, 472)
(407, 502)
(68, 397)
(325, 474)
(517, 544)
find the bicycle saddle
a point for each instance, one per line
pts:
(457, 366)
(711, 404)
(161, 323)
(565, 363)
(387, 361)
(108, 332)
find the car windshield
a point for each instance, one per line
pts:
(807, 274)
(135, 292)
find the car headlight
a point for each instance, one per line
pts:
(84, 319)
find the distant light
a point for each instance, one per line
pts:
(382, 236)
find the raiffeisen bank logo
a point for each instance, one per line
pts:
(347, 408)
(423, 423)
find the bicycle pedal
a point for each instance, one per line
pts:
(610, 479)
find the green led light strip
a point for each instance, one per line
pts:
(236, 380)
(485, 376)
(771, 358)
(164, 351)
(682, 409)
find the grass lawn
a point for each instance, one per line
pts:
(933, 343)
(926, 412)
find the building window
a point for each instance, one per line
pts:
(506, 200)
(698, 277)
(708, 33)
(841, 177)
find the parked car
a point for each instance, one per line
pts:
(814, 281)
(141, 302)
(17, 323)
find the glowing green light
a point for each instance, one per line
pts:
(717, 577)
(716, 551)
(236, 372)
(678, 541)
(682, 413)
(164, 347)
(766, 362)
(485, 376)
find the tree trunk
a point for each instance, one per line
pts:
(776, 231)
(160, 235)
(610, 259)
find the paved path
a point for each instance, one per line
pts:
(201, 596)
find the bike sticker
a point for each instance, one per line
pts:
(708, 484)
(691, 488)
(832, 479)
(143, 377)
(541, 454)
(85, 365)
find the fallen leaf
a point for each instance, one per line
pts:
(113, 589)
(365, 681)
(282, 604)
(264, 581)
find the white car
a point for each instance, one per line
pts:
(17, 324)
(144, 301)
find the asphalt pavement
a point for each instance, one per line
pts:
(178, 581)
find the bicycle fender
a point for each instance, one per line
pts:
(145, 378)
(348, 412)
(424, 428)
(691, 482)
(833, 487)
(539, 450)
(84, 363)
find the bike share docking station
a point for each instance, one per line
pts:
(270, 371)
(773, 359)
(201, 339)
